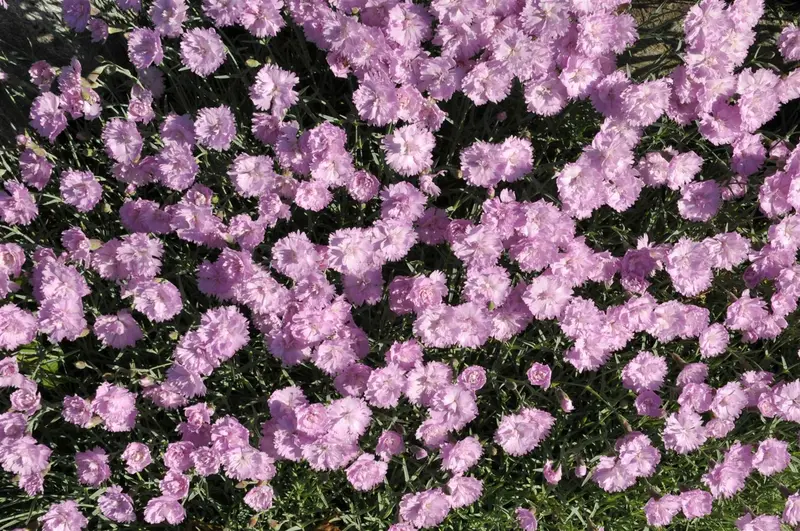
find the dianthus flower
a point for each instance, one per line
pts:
(409, 149)
(116, 505)
(215, 127)
(144, 48)
(116, 406)
(122, 141)
(521, 433)
(80, 189)
(93, 467)
(366, 472)
(63, 516)
(273, 90)
(202, 51)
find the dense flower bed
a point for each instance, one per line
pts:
(370, 265)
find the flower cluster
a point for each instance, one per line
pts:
(20, 453)
(523, 261)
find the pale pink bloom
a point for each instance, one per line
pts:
(771, 457)
(696, 503)
(116, 505)
(645, 372)
(259, 498)
(136, 457)
(551, 475)
(164, 509)
(539, 375)
(366, 472)
(526, 519)
(93, 467)
(684, 432)
(458, 458)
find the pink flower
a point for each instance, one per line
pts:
(259, 498)
(789, 43)
(23, 456)
(791, 512)
(424, 509)
(521, 433)
(76, 15)
(551, 475)
(35, 169)
(17, 327)
(612, 476)
(168, 16)
(77, 411)
(545, 96)
(376, 101)
(758, 523)
(406, 354)
(202, 51)
(42, 75)
(177, 166)
(458, 458)
(351, 251)
(223, 13)
(158, 301)
(274, 90)
(136, 457)
(206, 461)
(696, 397)
(539, 375)
(385, 386)
(692, 373)
(390, 443)
(366, 473)
(463, 491)
(684, 432)
(645, 372)
(771, 457)
(116, 406)
(93, 467)
(713, 341)
(174, 485)
(117, 331)
(262, 18)
(644, 103)
(144, 48)
(472, 378)
(178, 456)
(409, 149)
(526, 519)
(352, 381)
(62, 318)
(729, 401)
(547, 297)
(696, 503)
(122, 141)
(26, 399)
(47, 116)
(215, 127)
(648, 403)
(17, 205)
(349, 417)
(700, 201)
(116, 505)
(660, 512)
(164, 509)
(63, 516)
(727, 478)
(363, 186)
(689, 266)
